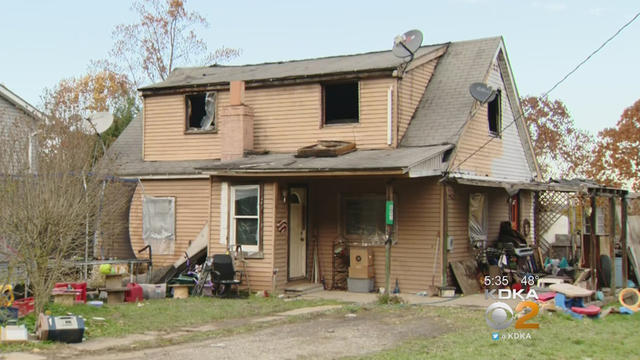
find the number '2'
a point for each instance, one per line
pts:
(521, 323)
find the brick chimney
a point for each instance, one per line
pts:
(236, 124)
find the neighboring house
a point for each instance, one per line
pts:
(214, 152)
(18, 125)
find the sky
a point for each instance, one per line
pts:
(45, 41)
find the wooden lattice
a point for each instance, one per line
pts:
(550, 206)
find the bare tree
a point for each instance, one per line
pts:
(163, 38)
(44, 216)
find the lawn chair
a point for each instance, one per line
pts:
(224, 274)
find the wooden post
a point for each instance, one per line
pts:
(612, 240)
(445, 235)
(388, 240)
(623, 240)
(592, 243)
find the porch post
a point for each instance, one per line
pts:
(623, 239)
(387, 243)
(612, 239)
(593, 254)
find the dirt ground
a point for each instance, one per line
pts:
(326, 336)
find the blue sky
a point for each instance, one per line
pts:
(45, 41)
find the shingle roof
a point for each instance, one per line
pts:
(20, 103)
(442, 112)
(446, 104)
(127, 154)
(287, 69)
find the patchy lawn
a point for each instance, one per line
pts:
(559, 337)
(163, 315)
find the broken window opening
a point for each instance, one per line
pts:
(201, 109)
(494, 114)
(341, 103)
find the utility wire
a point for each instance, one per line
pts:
(545, 94)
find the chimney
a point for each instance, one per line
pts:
(236, 124)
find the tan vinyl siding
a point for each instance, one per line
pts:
(504, 156)
(285, 119)
(163, 132)
(192, 212)
(418, 224)
(259, 269)
(410, 90)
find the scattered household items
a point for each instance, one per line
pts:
(114, 289)
(546, 296)
(550, 280)
(95, 303)
(134, 293)
(340, 265)
(8, 315)
(6, 295)
(14, 334)
(224, 274)
(80, 287)
(626, 299)
(68, 329)
(154, 291)
(590, 310)
(180, 291)
(65, 295)
(571, 291)
(361, 270)
(466, 273)
(25, 306)
(447, 291)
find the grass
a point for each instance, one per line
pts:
(559, 337)
(162, 315)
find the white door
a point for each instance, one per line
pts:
(297, 232)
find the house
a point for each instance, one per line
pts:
(222, 158)
(18, 123)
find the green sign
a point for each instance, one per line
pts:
(389, 214)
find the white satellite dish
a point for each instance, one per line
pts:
(482, 92)
(100, 121)
(407, 44)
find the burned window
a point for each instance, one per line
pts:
(201, 109)
(341, 104)
(494, 114)
(364, 217)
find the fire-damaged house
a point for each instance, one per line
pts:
(303, 162)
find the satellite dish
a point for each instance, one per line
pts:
(407, 44)
(100, 121)
(482, 92)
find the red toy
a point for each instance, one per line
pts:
(590, 310)
(133, 293)
(546, 296)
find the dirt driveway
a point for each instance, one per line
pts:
(326, 336)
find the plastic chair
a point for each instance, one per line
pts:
(224, 274)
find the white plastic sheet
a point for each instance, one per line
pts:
(159, 223)
(478, 219)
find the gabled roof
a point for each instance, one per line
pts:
(217, 74)
(446, 104)
(435, 127)
(20, 103)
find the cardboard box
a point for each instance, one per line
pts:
(361, 262)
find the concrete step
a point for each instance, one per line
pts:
(302, 288)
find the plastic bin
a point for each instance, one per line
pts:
(25, 306)
(154, 291)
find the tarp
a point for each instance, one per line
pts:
(478, 219)
(159, 223)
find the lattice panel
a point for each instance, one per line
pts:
(550, 206)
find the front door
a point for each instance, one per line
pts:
(297, 232)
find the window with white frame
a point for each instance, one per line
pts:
(245, 217)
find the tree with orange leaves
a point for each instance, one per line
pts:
(617, 154)
(562, 150)
(163, 38)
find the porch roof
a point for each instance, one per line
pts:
(414, 162)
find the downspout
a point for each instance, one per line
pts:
(444, 229)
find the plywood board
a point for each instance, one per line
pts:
(466, 273)
(571, 290)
